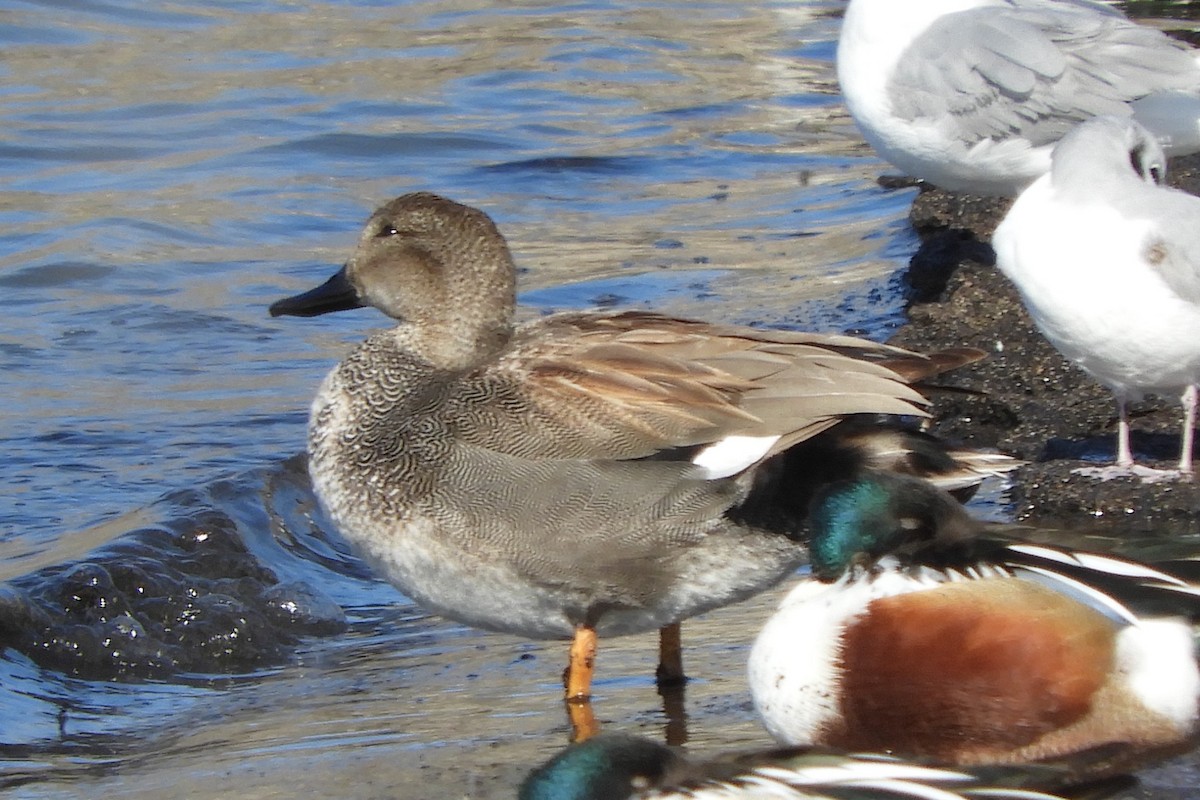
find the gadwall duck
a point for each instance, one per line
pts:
(579, 475)
(926, 634)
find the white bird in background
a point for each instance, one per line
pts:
(971, 95)
(1108, 263)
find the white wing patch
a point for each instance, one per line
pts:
(731, 455)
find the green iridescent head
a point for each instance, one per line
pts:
(610, 766)
(856, 523)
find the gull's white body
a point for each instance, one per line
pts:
(971, 95)
(1083, 272)
(1108, 264)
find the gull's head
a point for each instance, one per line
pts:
(1107, 149)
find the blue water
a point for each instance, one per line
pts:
(167, 171)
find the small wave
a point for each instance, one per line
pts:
(231, 577)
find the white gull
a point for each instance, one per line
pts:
(1108, 263)
(971, 95)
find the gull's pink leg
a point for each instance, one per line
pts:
(1189, 429)
(1124, 451)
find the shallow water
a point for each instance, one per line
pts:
(169, 171)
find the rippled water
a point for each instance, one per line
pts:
(169, 170)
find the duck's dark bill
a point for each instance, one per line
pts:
(335, 294)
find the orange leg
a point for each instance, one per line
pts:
(670, 657)
(578, 679)
(582, 719)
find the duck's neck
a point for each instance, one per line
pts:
(457, 342)
(472, 323)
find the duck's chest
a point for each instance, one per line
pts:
(375, 437)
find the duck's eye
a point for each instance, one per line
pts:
(385, 231)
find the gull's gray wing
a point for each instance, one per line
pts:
(1033, 68)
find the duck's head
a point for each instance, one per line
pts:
(610, 766)
(855, 523)
(440, 268)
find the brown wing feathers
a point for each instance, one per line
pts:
(670, 383)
